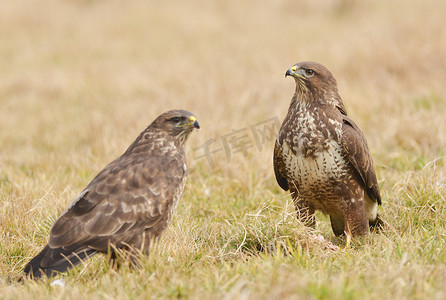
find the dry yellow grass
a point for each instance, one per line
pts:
(80, 79)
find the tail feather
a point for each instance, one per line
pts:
(377, 224)
(51, 261)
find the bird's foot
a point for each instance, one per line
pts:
(348, 240)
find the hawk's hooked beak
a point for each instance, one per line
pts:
(194, 122)
(292, 72)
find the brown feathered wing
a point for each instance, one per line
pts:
(279, 167)
(127, 197)
(357, 151)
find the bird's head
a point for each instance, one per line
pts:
(313, 78)
(170, 128)
(177, 123)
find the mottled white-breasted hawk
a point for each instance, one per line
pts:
(322, 156)
(128, 204)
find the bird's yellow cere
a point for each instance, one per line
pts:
(192, 119)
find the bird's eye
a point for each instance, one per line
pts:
(309, 72)
(176, 119)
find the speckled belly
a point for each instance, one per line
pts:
(317, 176)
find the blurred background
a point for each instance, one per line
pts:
(80, 79)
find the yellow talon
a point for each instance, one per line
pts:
(349, 239)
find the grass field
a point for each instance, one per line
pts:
(80, 79)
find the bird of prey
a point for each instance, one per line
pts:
(127, 205)
(322, 156)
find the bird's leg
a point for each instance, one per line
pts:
(116, 256)
(134, 259)
(139, 247)
(356, 222)
(337, 224)
(113, 260)
(348, 240)
(126, 254)
(305, 211)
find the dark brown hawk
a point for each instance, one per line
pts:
(322, 156)
(128, 204)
